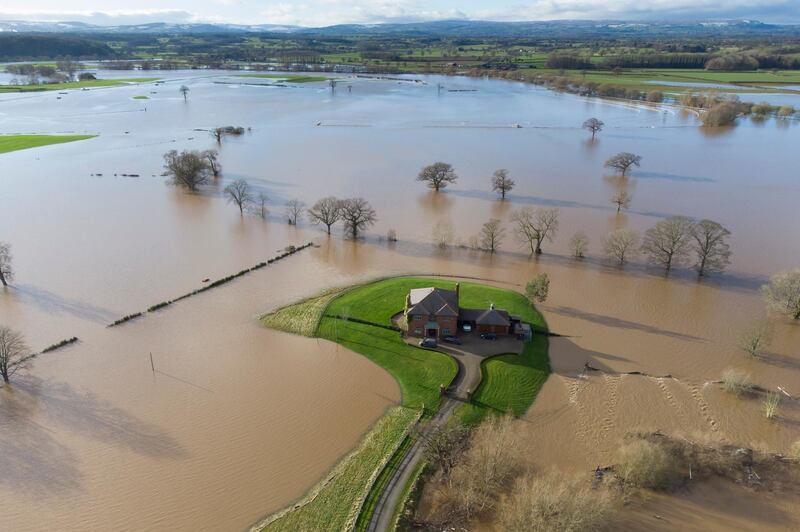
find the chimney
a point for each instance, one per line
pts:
(491, 307)
(458, 290)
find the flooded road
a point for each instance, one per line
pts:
(240, 421)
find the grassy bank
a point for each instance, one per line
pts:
(74, 85)
(334, 501)
(292, 78)
(511, 381)
(10, 143)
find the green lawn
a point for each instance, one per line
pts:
(293, 78)
(511, 382)
(141, 97)
(74, 85)
(22, 142)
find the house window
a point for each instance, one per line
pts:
(417, 331)
(446, 332)
(417, 318)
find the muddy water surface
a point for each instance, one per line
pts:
(239, 421)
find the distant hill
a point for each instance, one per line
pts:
(444, 28)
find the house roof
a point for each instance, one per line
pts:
(493, 317)
(433, 302)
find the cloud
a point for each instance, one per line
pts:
(102, 18)
(330, 12)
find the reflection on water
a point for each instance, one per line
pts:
(249, 419)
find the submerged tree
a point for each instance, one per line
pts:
(501, 183)
(757, 338)
(212, 156)
(622, 162)
(437, 175)
(443, 235)
(538, 288)
(184, 90)
(711, 246)
(357, 215)
(6, 267)
(534, 226)
(188, 169)
(622, 199)
(326, 211)
(579, 243)
(261, 205)
(783, 293)
(667, 243)
(13, 352)
(594, 125)
(239, 194)
(294, 211)
(620, 245)
(492, 235)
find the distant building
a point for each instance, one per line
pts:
(435, 312)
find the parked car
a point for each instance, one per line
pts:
(467, 327)
(452, 340)
(489, 336)
(428, 342)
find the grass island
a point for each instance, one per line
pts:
(360, 318)
(9, 143)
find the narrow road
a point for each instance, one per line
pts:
(384, 511)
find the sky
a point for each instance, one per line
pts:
(317, 13)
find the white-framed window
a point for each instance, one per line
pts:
(417, 331)
(417, 318)
(446, 332)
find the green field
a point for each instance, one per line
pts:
(658, 79)
(292, 78)
(141, 97)
(74, 85)
(510, 384)
(10, 143)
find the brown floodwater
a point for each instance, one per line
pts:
(240, 421)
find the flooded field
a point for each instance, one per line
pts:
(239, 421)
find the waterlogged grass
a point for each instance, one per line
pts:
(292, 78)
(300, 318)
(10, 143)
(74, 85)
(333, 503)
(141, 97)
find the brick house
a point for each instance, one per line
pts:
(435, 312)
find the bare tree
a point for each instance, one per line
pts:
(619, 245)
(238, 193)
(212, 156)
(391, 235)
(326, 211)
(218, 133)
(492, 235)
(622, 162)
(6, 267)
(594, 125)
(261, 205)
(501, 183)
(13, 352)
(534, 226)
(757, 338)
(184, 90)
(357, 215)
(622, 199)
(188, 169)
(667, 243)
(443, 235)
(538, 288)
(783, 293)
(579, 244)
(437, 175)
(294, 211)
(711, 246)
